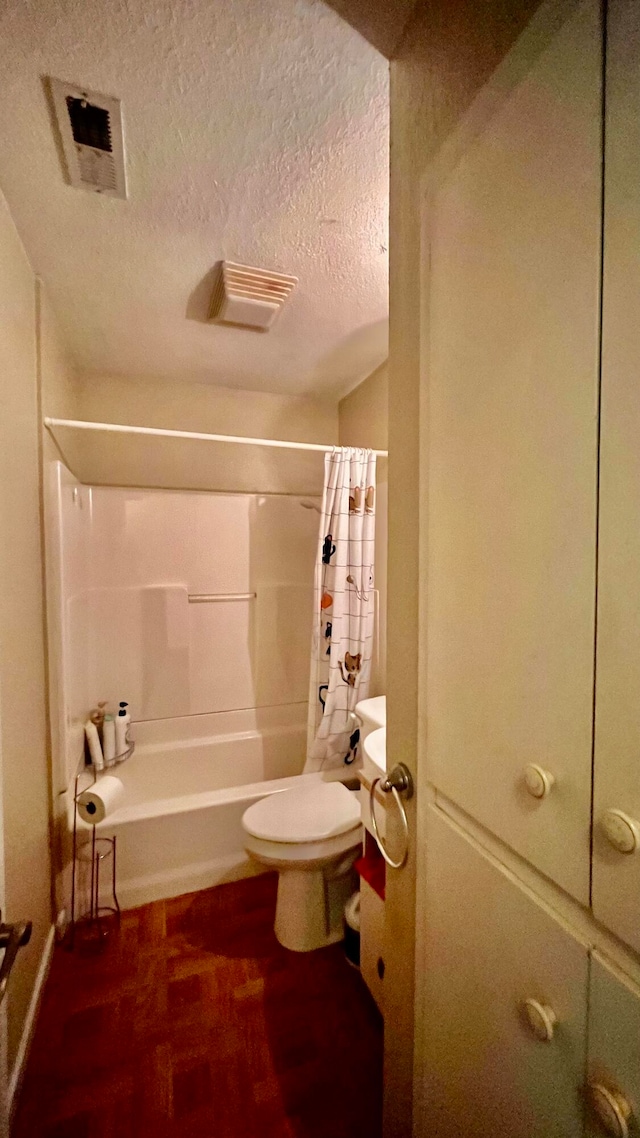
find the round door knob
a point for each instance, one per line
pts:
(622, 831)
(611, 1108)
(541, 1019)
(537, 780)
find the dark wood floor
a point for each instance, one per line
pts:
(195, 1022)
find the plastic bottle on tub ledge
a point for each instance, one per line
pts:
(93, 742)
(109, 738)
(123, 720)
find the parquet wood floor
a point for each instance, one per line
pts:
(195, 1023)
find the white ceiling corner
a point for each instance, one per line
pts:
(254, 132)
(381, 22)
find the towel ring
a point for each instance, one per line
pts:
(398, 781)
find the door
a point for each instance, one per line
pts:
(504, 1003)
(492, 540)
(613, 1092)
(512, 240)
(616, 838)
(12, 939)
(4, 1099)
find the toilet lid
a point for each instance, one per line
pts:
(304, 814)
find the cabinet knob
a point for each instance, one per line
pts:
(622, 831)
(611, 1108)
(541, 1019)
(537, 780)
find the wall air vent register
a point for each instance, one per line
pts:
(90, 127)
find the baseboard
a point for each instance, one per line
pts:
(28, 1027)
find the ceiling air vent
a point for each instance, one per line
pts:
(248, 297)
(91, 131)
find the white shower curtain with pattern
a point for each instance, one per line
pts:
(344, 608)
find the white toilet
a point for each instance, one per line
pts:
(312, 834)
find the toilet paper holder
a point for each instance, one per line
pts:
(95, 852)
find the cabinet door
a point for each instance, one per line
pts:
(614, 1054)
(481, 1071)
(616, 875)
(514, 236)
(372, 942)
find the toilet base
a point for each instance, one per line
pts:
(310, 907)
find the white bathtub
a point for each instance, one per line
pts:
(179, 826)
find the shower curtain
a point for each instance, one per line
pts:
(344, 606)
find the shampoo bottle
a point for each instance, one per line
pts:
(121, 725)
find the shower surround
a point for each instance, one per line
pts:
(196, 608)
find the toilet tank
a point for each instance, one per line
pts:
(372, 714)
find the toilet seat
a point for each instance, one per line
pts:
(304, 814)
(304, 856)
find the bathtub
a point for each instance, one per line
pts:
(179, 827)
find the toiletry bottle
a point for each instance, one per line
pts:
(97, 717)
(109, 738)
(123, 706)
(95, 750)
(121, 725)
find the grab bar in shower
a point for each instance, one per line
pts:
(211, 598)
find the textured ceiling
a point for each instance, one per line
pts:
(381, 22)
(255, 131)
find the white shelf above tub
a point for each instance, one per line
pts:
(114, 454)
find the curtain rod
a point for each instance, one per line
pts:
(159, 432)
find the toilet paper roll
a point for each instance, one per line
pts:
(101, 799)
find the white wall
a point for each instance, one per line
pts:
(187, 406)
(117, 459)
(30, 356)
